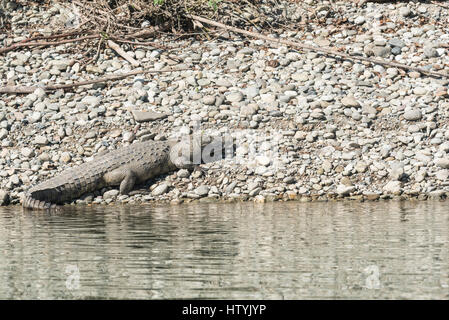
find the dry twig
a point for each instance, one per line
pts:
(31, 89)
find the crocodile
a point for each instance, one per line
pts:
(126, 167)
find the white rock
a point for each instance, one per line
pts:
(442, 163)
(160, 189)
(393, 187)
(263, 160)
(343, 190)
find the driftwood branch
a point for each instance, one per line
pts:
(123, 53)
(31, 89)
(323, 50)
(45, 43)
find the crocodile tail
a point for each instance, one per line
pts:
(28, 202)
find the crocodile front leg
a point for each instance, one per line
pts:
(123, 176)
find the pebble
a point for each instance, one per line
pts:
(27, 152)
(343, 127)
(41, 140)
(393, 187)
(413, 115)
(442, 163)
(111, 194)
(146, 116)
(405, 11)
(350, 101)
(380, 51)
(359, 20)
(209, 100)
(263, 160)
(202, 190)
(160, 189)
(65, 157)
(234, 97)
(343, 190)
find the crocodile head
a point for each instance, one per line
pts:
(190, 151)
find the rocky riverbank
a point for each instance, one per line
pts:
(307, 126)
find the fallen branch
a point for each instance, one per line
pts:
(45, 43)
(54, 36)
(123, 53)
(325, 50)
(31, 89)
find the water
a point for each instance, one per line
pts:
(233, 251)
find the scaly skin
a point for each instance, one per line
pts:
(126, 167)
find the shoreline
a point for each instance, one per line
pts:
(433, 196)
(305, 123)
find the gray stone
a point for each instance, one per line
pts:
(301, 76)
(128, 136)
(231, 187)
(14, 179)
(249, 109)
(395, 42)
(442, 163)
(343, 190)
(397, 173)
(60, 65)
(146, 116)
(420, 91)
(111, 194)
(209, 100)
(396, 51)
(35, 117)
(430, 52)
(393, 187)
(350, 101)
(160, 189)
(140, 54)
(359, 20)
(412, 114)
(41, 140)
(289, 180)
(27, 152)
(183, 173)
(202, 190)
(361, 166)
(223, 83)
(263, 160)
(442, 175)
(3, 133)
(251, 92)
(91, 100)
(383, 52)
(405, 11)
(65, 157)
(234, 97)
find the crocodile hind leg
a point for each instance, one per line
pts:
(126, 178)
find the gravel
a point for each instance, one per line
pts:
(307, 126)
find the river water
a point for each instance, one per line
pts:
(289, 250)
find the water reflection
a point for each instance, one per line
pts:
(245, 250)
